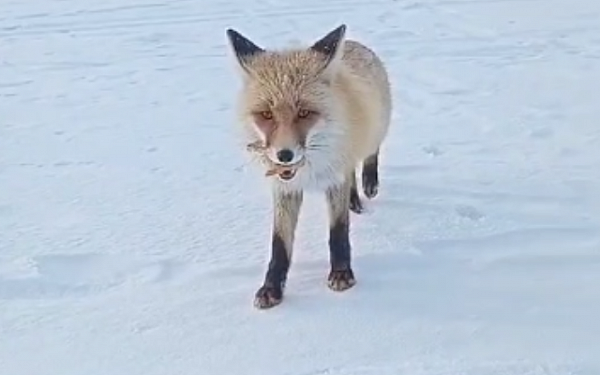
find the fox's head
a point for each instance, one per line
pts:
(287, 103)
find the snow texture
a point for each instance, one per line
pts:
(133, 235)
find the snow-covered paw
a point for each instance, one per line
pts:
(340, 280)
(268, 296)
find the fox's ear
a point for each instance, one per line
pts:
(331, 46)
(243, 48)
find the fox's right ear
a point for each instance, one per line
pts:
(243, 48)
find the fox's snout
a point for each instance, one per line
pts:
(285, 145)
(286, 155)
(284, 133)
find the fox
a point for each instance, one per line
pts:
(319, 111)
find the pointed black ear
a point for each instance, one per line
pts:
(330, 43)
(243, 48)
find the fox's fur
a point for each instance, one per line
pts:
(331, 105)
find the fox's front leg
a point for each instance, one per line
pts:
(341, 276)
(286, 210)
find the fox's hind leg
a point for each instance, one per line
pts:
(355, 203)
(370, 175)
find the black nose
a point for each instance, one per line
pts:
(285, 156)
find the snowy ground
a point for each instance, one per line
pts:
(132, 236)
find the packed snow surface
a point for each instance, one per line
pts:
(133, 234)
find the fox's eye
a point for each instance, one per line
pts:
(303, 113)
(267, 115)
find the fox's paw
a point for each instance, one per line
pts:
(340, 280)
(356, 205)
(370, 186)
(268, 296)
(370, 177)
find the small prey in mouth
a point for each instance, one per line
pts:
(284, 172)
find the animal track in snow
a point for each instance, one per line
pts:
(79, 275)
(469, 212)
(548, 246)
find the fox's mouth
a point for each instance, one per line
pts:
(287, 174)
(284, 172)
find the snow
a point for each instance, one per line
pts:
(133, 236)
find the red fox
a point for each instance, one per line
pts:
(316, 112)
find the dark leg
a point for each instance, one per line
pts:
(286, 211)
(355, 203)
(370, 175)
(341, 276)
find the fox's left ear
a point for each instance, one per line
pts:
(243, 48)
(331, 46)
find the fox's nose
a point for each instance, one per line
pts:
(285, 155)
